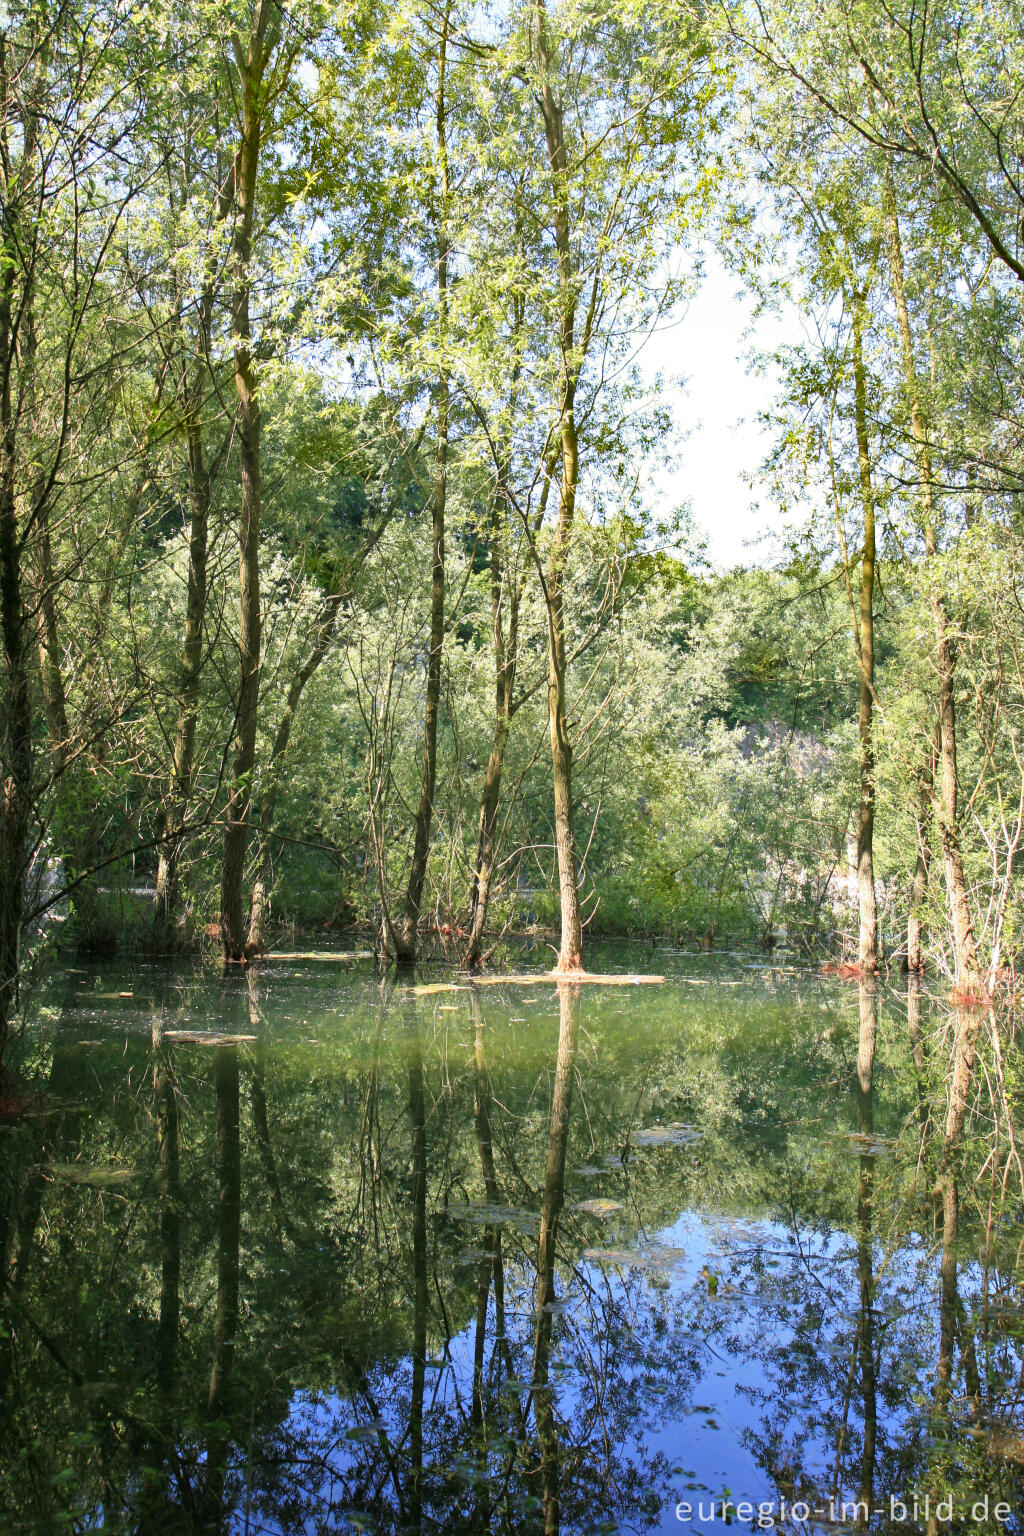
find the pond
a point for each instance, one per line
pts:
(304, 1250)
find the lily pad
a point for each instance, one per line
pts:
(485, 1215)
(623, 1258)
(471, 1256)
(602, 1207)
(96, 1176)
(672, 1135)
(635, 1258)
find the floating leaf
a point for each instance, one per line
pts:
(866, 1145)
(626, 1258)
(601, 1207)
(485, 1215)
(97, 1176)
(471, 1256)
(672, 1135)
(205, 1037)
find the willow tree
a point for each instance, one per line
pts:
(259, 72)
(934, 92)
(68, 98)
(190, 197)
(614, 117)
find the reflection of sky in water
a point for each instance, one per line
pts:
(702, 1434)
(725, 1365)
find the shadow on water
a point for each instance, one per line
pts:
(308, 1252)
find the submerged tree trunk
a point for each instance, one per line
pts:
(868, 944)
(166, 1107)
(226, 1318)
(570, 955)
(418, 1122)
(551, 1207)
(404, 934)
(965, 946)
(865, 1267)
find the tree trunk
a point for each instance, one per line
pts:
(505, 659)
(236, 834)
(966, 962)
(183, 759)
(868, 945)
(404, 931)
(919, 886)
(570, 955)
(15, 703)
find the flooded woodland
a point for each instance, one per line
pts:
(511, 767)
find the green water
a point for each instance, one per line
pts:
(502, 1258)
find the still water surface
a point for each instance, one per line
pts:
(401, 1257)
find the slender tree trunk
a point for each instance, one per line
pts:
(505, 658)
(183, 759)
(15, 702)
(868, 946)
(236, 835)
(966, 961)
(404, 934)
(570, 956)
(919, 885)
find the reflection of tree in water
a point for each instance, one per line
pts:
(837, 1331)
(469, 1430)
(287, 1314)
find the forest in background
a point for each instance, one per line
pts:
(333, 589)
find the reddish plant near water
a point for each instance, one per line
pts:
(970, 997)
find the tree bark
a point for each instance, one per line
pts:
(868, 944)
(965, 946)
